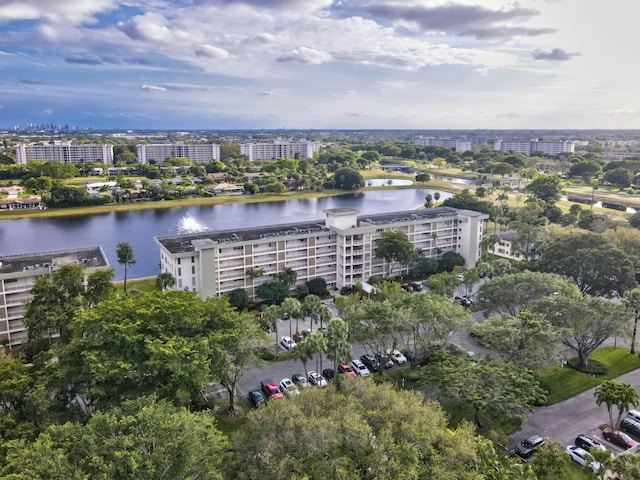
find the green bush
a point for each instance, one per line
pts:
(593, 367)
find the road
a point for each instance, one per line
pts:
(565, 420)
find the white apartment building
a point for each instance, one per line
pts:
(18, 273)
(505, 248)
(195, 152)
(536, 145)
(279, 148)
(457, 145)
(340, 249)
(68, 152)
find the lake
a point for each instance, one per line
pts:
(138, 227)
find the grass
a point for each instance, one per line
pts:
(142, 285)
(229, 425)
(563, 383)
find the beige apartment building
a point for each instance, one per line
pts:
(18, 273)
(66, 152)
(340, 249)
(279, 148)
(195, 152)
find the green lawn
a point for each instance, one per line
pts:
(143, 285)
(563, 383)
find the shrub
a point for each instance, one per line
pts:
(593, 367)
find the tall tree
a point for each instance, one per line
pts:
(273, 293)
(99, 287)
(632, 304)
(528, 339)
(394, 248)
(338, 346)
(489, 384)
(124, 253)
(515, 292)
(143, 439)
(291, 308)
(587, 321)
(621, 395)
(591, 261)
(546, 187)
(288, 276)
(236, 341)
(310, 432)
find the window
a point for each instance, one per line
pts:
(179, 283)
(193, 259)
(178, 261)
(193, 281)
(179, 271)
(193, 269)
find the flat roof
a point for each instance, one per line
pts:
(90, 257)
(183, 243)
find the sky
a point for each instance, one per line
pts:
(325, 64)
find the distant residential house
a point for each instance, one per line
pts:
(217, 177)
(24, 203)
(505, 248)
(227, 189)
(12, 190)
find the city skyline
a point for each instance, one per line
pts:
(216, 64)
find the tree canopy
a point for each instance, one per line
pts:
(394, 248)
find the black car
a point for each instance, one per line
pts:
(629, 425)
(370, 362)
(328, 373)
(384, 360)
(416, 287)
(257, 397)
(588, 443)
(529, 446)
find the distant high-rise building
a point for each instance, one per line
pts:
(457, 145)
(195, 152)
(279, 148)
(555, 147)
(67, 152)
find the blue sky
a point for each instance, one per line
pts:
(424, 64)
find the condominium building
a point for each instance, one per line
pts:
(18, 273)
(536, 146)
(195, 152)
(457, 145)
(341, 249)
(279, 148)
(68, 152)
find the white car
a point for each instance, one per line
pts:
(635, 414)
(396, 356)
(289, 388)
(287, 343)
(316, 379)
(360, 369)
(583, 458)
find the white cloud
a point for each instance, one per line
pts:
(305, 55)
(58, 11)
(156, 88)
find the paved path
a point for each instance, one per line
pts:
(564, 421)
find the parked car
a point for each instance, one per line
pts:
(619, 438)
(328, 373)
(529, 446)
(407, 288)
(289, 388)
(360, 369)
(417, 287)
(635, 414)
(629, 425)
(300, 380)
(316, 379)
(370, 362)
(256, 397)
(270, 389)
(287, 342)
(346, 369)
(589, 443)
(384, 360)
(583, 458)
(397, 357)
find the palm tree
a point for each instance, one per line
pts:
(291, 307)
(124, 253)
(619, 394)
(311, 306)
(436, 197)
(165, 281)
(270, 316)
(338, 346)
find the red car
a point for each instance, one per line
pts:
(270, 389)
(346, 369)
(619, 438)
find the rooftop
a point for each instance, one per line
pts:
(85, 257)
(187, 242)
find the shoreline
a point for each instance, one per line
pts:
(204, 201)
